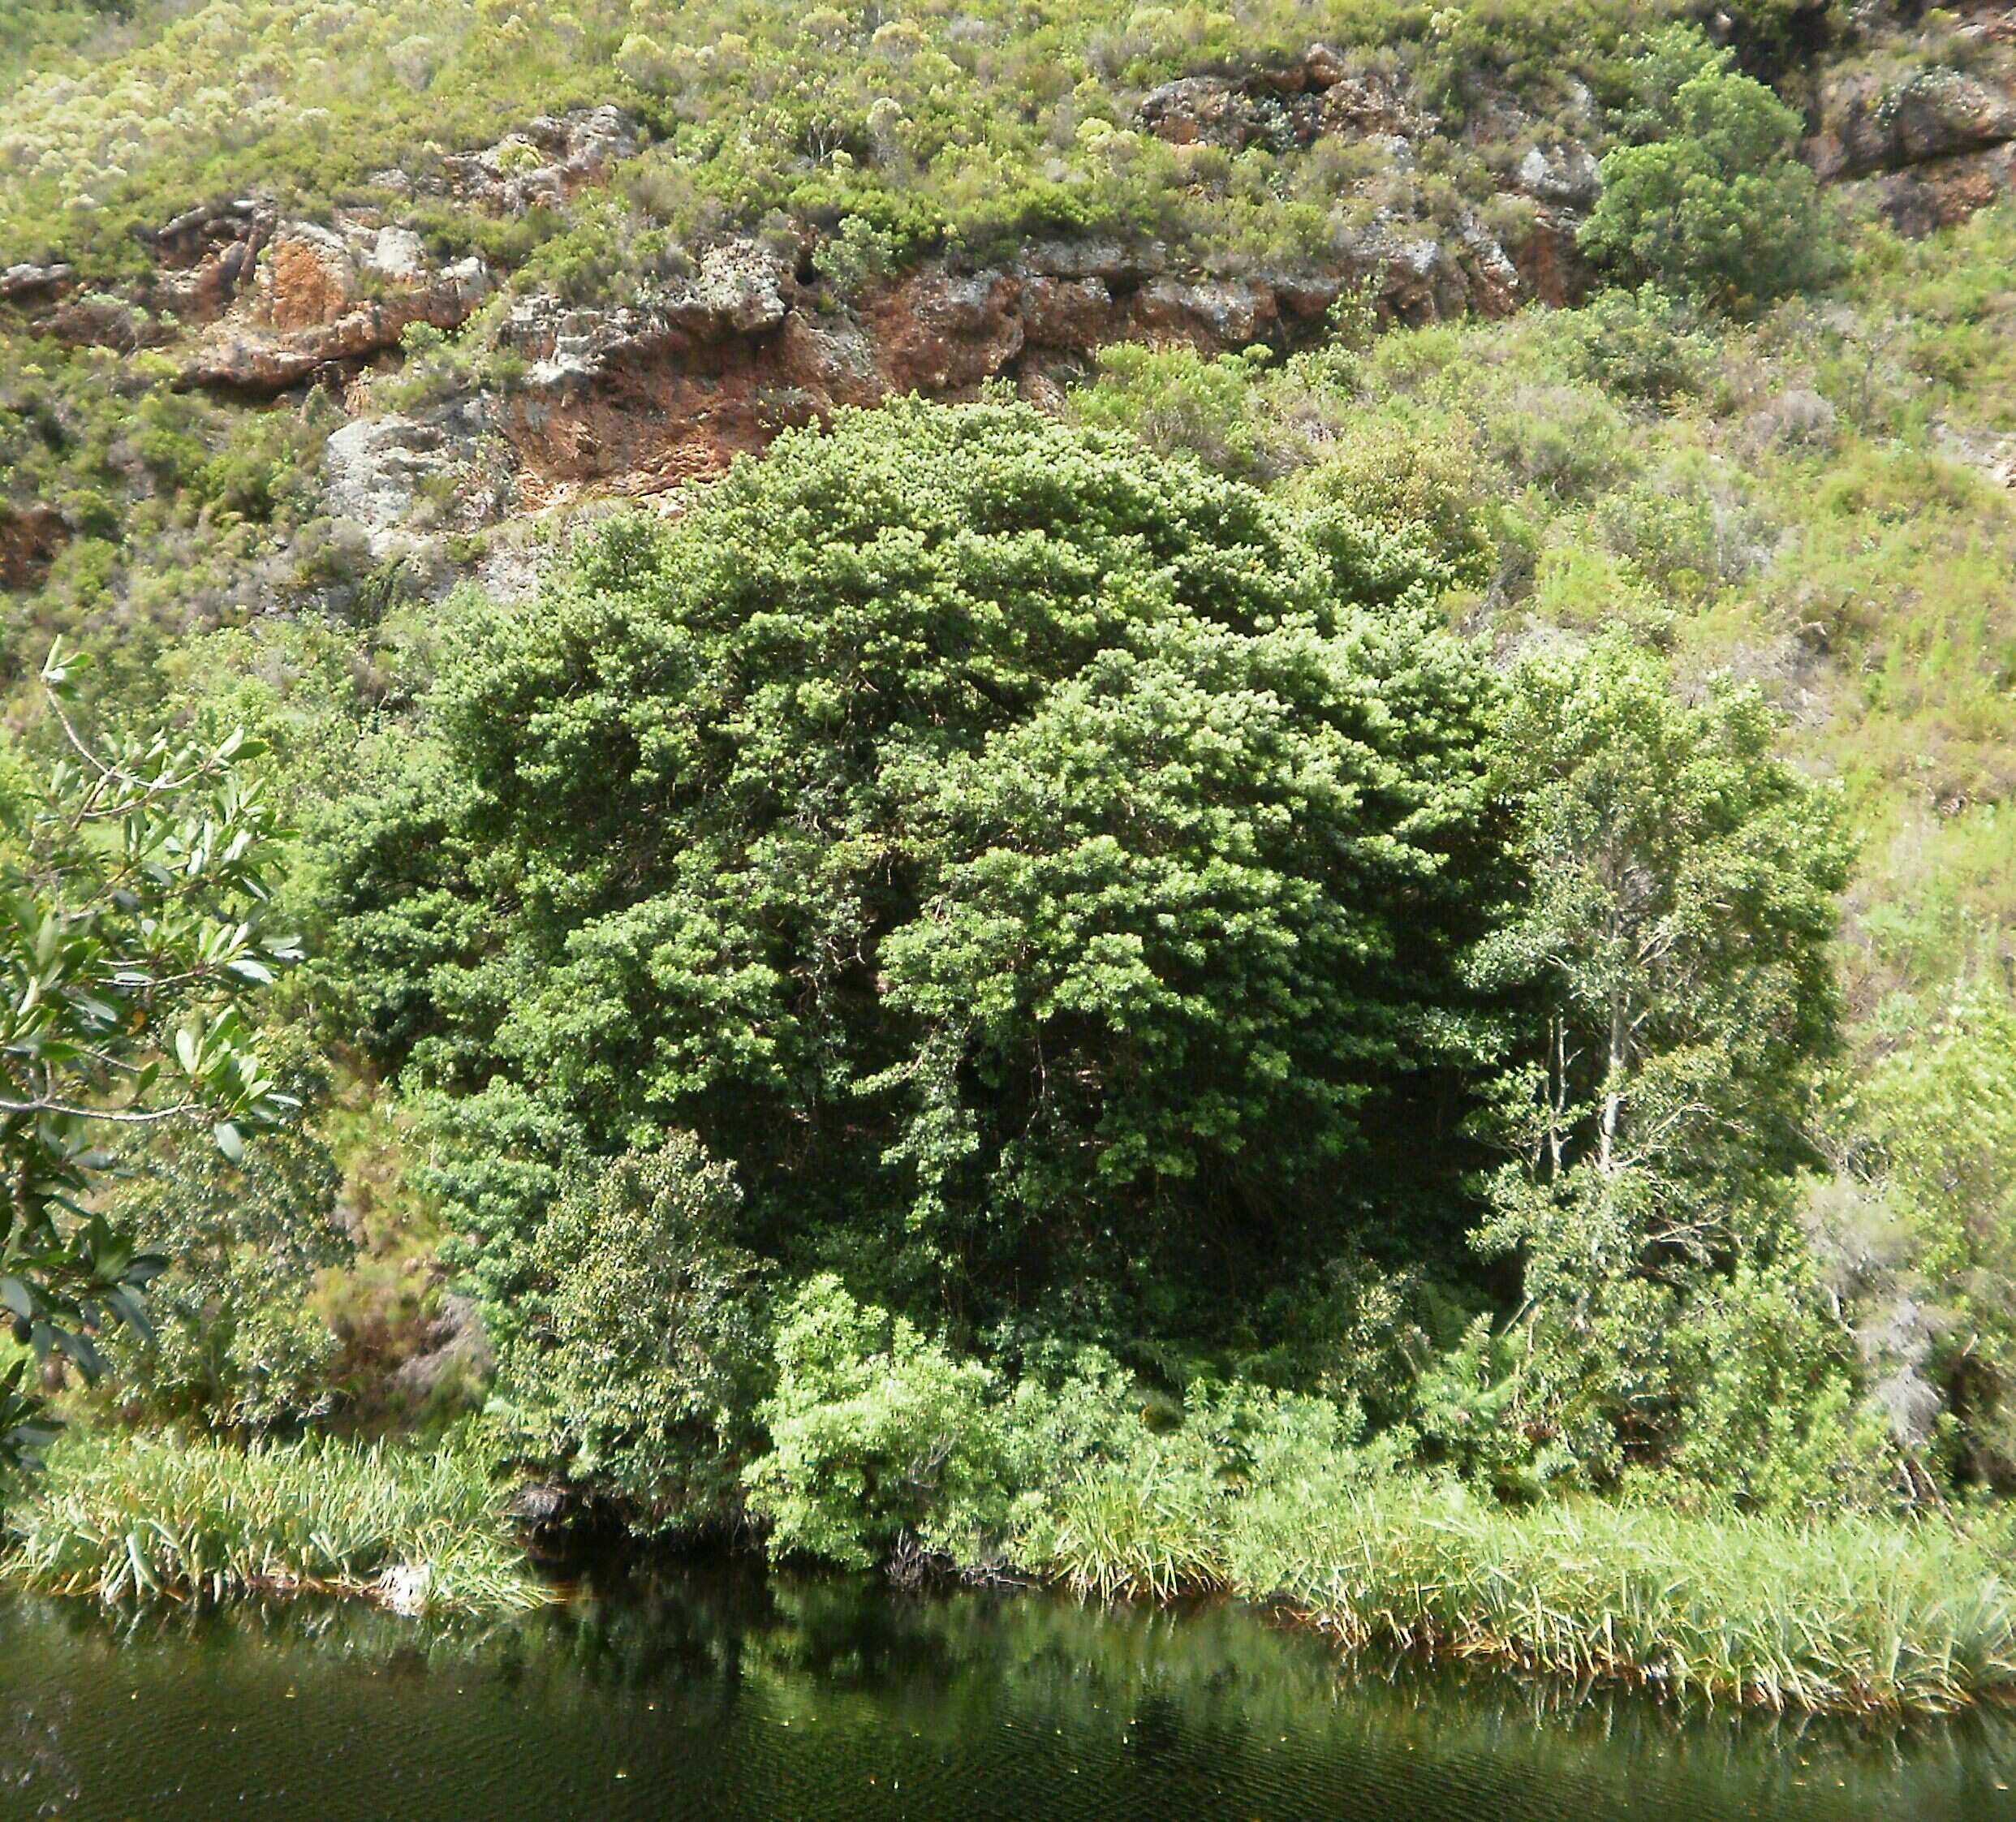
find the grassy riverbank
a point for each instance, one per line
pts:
(1847, 1614)
(130, 1518)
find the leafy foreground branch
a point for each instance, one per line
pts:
(130, 1517)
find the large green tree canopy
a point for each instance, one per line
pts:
(1028, 863)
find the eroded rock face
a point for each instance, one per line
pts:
(641, 397)
(258, 303)
(944, 333)
(1548, 258)
(1068, 314)
(739, 289)
(1930, 113)
(322, 298)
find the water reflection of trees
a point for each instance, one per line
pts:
(726, 1650)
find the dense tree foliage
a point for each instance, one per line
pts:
(1684, 889)
(641, 1349)
(1675, 936)
(1029, 863)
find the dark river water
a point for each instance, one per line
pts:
(723, 1693)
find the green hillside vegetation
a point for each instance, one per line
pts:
(1342, 974)
(977, 124)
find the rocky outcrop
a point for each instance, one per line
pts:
(1561, 176)
(397, 478)
(542, 164)
(1548, 259)
(27, 284)
(640, 397)
(943, 333)
(258, 304)
(205, 255)
(1931, 146)
(320, 299)
(1943, 194)
(1280, 108)
(1867, 126)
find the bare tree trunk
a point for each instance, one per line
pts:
(1613, 1084)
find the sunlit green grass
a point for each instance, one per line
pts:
(1847, 1614)
(131, 1518)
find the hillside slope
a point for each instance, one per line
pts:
(312, 312)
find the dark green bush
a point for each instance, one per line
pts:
(1024, 857)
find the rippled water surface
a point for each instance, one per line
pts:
(723, 1693)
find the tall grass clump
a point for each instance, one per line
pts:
(1845, 1614)
(132, 1517)
(1156, 1534)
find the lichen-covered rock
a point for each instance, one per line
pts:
(1869, 125)
(400, 479)
(1110, 262)
(1415, 278)
(1220, 314)
(1496, 288)
(1210, 111)
(1564, 176)
(739, 289)
(1371, 106)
